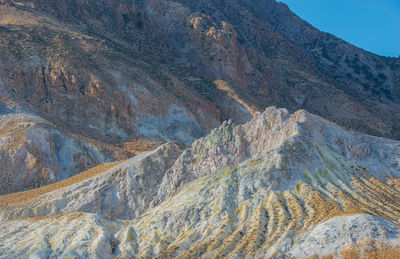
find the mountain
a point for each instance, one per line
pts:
(35, 152)
(280, 186)
(105, 80)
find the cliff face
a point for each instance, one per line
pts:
(35, 152)
(280, 186)
(124, 73)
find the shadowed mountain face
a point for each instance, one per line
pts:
(117, 74)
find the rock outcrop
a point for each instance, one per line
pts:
(267, 188)
(121, 72)
(34, 153)
(123, 192)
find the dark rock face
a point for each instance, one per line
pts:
(114, 71)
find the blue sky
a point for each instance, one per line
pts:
(373, 25)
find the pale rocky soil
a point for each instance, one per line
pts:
(266, 189)
(334, 234)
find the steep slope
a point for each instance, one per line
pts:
(120, 72)
(356, 72)
(123, 192)
(267, 188)
(35, 152)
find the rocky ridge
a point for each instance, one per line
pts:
(117, 74)
(267, 188)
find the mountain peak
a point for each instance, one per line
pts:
(85, 84)
(263, 188)
(121, 74)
